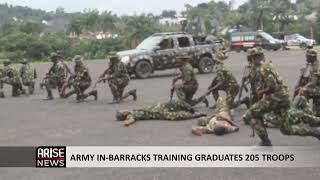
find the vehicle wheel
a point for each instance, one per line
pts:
(205, 65)
(143, 69)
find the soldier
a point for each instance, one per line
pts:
(189, 86)
(219, 124)
(12, 77)
(275, 98)
(28, 75)
(1, 80)
(56, 76)
(80, 81)
(224, 81)
(172, 111)
(118, 79)
(312, 89)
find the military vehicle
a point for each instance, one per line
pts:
(160, 51)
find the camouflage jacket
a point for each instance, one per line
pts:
(119, 71)
(11, 75)
(58, 72)
(188, 75)
(28, 73)
(225, 75)
(315, 69)
(82, 75)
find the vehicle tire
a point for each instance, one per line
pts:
(205, 65)
(143, 69)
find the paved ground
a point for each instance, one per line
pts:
(29, 121)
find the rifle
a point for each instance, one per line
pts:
(243, 82)
(171, 93)
(303, 79)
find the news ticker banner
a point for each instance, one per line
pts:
(159, 156)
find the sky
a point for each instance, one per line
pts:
(119, 7)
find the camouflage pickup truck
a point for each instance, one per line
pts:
(159, 52)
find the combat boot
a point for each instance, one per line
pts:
(94, 93)
(205, 101)
(315, 132)
(133, 93)
(2, 95)
(265, 141)
(50, 96)
(246, 101)
(196, 131)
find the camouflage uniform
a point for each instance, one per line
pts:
(212, 125)
(2, 75)
(56, 77)
(80, 81)
(28, 75)
(230, 84)
(12, 77)
(173, 111)
(275, 100)
(313, 91)
(118, 79)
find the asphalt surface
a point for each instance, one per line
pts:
(30, 121)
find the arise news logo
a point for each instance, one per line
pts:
(51, 157)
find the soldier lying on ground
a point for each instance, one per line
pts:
(172, 111)
(80, 81)
(118, 79)
(189, 86)
(218, 124)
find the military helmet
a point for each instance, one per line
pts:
(183, 57)
(77, 58)
(114, 57)
(219, 56)
(24, 61)
(54, 55)
(256, 51)
(59, 53)
(121, 116)
(6, 62)
(219, 130)
(312, 53)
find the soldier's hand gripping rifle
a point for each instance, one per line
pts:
(243, 82)
(303, 80)
(103, 78)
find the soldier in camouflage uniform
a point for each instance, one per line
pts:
(118, 79)
(299, 122)
(80, 81)
(172, 111)
(28, 75)
(1, 81)
(219, 124)
(12, 77)
(275, 98)
(224, 81)
(312, 89)
(189, 86)
(56, 77)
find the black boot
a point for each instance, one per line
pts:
(205, 101)
(315, 132)
(246, 101)
(133, 93)
(94, 93)
(265, 141)
(2, 95)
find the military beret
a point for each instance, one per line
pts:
(312, 52)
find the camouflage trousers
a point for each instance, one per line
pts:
(149, 114)
(255, 115)
(53, 84)
(78, 88)
(186, 92)
(313, 92)
(231, 94)
(207, 125)
(295, 123)
(30, 86)
(117, 86)
(17, 87)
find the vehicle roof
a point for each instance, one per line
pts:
(245, 33)
(172, 34)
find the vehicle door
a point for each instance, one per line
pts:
(185, 46)
(165, 54)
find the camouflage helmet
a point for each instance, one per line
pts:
(219, 129)
(183, 57)
(312, 53)
(256, 51)
(114, 57)
(24, 61)
(54, 55)
(6, 62)
(121, 116)
(219, 56)
(59, 53)
(77, 58)
(249, 52)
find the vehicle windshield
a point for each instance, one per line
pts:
(150, 43)
(267, 36)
